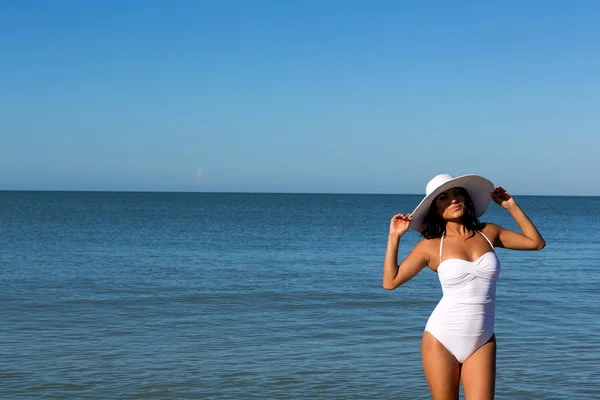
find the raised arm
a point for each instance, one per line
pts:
(395, 275)
(529, 239)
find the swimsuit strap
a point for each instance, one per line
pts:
(441, 244)
(486, 238)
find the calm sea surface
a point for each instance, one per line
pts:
(269, 296)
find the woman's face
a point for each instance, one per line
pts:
(450, 204)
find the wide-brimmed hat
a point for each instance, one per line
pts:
(479, 188)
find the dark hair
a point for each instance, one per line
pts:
(434, 225)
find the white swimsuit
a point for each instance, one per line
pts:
(463, 320)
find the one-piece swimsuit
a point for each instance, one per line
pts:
(463, 320)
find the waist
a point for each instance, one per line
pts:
(476, 300)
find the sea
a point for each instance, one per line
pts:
(125, 295)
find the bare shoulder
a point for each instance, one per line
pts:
(428, 248)
(491, 231)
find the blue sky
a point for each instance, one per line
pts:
(299, 96)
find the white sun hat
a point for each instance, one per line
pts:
(479, 188)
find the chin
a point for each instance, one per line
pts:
(455, 215)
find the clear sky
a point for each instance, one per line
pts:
(299, 96)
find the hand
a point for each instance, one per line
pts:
(502, 197)
(400, 224)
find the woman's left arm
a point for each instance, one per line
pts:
(530, 239)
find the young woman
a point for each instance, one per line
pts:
(458, 344)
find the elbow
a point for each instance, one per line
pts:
(536, 245)
(389, 285)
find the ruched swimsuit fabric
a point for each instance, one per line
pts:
(463, 320)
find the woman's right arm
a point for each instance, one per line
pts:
(395, 275)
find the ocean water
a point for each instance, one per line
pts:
(269, 296)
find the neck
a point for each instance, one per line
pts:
(456, 228)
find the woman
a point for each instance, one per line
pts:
(459, 343)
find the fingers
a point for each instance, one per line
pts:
(498, 191)
(405, 217)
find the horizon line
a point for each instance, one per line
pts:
(262, 192)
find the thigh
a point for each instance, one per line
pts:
(478, 373)
(442, 371)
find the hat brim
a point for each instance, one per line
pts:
(479, 190)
